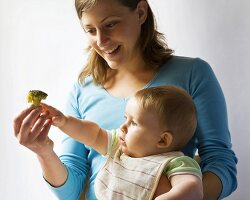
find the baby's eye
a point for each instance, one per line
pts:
(133, 123)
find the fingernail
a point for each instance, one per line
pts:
(44, 114)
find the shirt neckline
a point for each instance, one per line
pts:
(147, 85)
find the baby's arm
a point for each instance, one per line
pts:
(184, 187)
(84, 131)
(185, 177)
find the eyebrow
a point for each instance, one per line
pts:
(103, 20)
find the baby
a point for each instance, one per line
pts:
(144, 153)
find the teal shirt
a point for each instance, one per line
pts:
(212, 137)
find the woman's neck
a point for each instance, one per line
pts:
(124, 82)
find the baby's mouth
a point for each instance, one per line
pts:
(122, 141)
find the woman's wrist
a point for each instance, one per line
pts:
(54, 171)
(47, 157)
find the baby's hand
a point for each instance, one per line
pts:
(57, 117)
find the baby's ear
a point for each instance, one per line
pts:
(165, 140)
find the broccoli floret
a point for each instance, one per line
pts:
(35, 97)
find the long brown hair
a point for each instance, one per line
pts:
(154, 48)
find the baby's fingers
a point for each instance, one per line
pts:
(52, 111)
(58, 121)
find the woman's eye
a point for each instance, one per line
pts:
(110, 25)
(90, 31)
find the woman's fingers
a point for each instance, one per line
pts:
(19, 119)
(32, 127)
(38, 126)
(45, 130)
(27, 125)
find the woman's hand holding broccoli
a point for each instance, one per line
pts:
(32, 125)
(31, 128)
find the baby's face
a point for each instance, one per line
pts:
(141, 131)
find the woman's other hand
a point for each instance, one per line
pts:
(31, 128)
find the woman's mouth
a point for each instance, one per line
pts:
(112, 51)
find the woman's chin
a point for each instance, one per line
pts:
(114, 64)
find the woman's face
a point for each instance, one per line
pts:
(113, 31)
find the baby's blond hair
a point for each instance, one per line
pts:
(175, 109)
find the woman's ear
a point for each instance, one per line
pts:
(142, 10)
(165, 140)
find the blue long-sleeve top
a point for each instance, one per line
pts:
(212, 137)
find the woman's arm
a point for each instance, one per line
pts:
(31, 128)
(211, 186)
(54, 172)
(218, 161)
(211, 182)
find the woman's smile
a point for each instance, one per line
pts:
(112, 52)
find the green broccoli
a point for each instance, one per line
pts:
(35, 97)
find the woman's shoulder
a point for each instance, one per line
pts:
(86, 89)
(86, 82)
(180, 66)
(85, 85)
(186, 63)
(185, 72)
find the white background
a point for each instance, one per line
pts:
(42, 47)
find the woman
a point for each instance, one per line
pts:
(127, 54)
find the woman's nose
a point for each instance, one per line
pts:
(102, 38)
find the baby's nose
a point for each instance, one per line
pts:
(123, 128)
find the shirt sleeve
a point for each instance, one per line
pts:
(74, 156)
(213, 139)
(182, 165)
